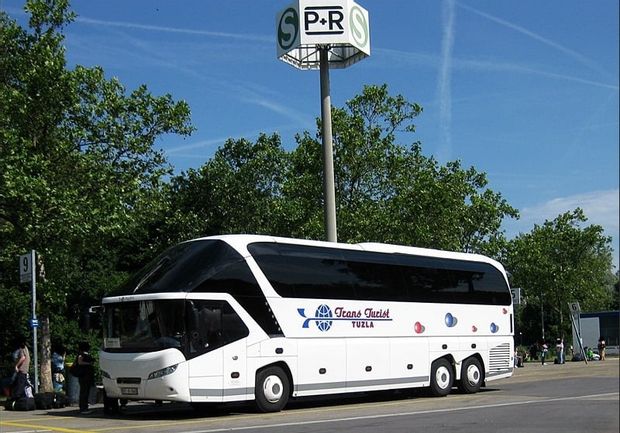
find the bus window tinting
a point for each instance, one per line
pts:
(238, 280)
(316, 272)
(204, 266)
(181, 268)
(194, 326)
(211, 325)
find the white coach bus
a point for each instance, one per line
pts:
(240, 317)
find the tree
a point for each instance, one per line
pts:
(558, 262)
(79, 175)
(385, 191)
(237, 191)
(389, 192)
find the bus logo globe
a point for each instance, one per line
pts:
(323, 312)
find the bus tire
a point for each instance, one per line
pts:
(272, 389)
(110, 406)
(472, 376)
(442, 377)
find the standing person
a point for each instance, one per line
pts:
(543, 353)
(559, 350)
(87, 375)
(601, 348)
(533, 351)
(22, 366)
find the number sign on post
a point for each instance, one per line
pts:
(25, 268)
(27, 274)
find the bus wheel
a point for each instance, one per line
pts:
(110, 406)
(471, 376)
(272, 389)
(442, 377)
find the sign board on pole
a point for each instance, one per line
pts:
(27, 274)
(516, 295)
(575, 309)
(25, 268)
(305, 25)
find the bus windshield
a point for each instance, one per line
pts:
(193, 326)
(144, 326)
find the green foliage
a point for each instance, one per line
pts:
(80, 179)
(559, 262)
(385, 191)
(237, 191)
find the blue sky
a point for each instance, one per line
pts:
(526, 91)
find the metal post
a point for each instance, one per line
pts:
(329, 193)
(542, 319)
(578, 332)
(35, 350)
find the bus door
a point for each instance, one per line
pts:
(235, 370)
(205, 361)
(218, 346)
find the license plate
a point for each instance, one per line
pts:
(129, 391)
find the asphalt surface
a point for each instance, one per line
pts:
(573, 397)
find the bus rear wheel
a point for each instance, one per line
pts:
(110, 406)
(471, 376)
(442, 377)
(272, 389)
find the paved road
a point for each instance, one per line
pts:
(553, 398)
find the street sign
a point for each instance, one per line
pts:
(25, 268)
(575, 309)
(27, 274)
(306, 25)
(515, 292)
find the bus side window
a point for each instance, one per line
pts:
(233, 327)
(212, 324)
(193, 337)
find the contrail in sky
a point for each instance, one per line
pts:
(444, 83)
(571, 53)
(135, 26)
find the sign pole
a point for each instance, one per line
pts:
(33, 284)
(542, 319)
(575, 316)
(28, 274)
(329, 210)
(581, 348)
(313, 35)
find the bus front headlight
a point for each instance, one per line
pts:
(163, 372)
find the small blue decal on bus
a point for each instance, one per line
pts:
(450, 320)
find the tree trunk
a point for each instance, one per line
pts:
(45, 339)
(45, 358)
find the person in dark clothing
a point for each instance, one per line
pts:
(601, 348)
(87, 375)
